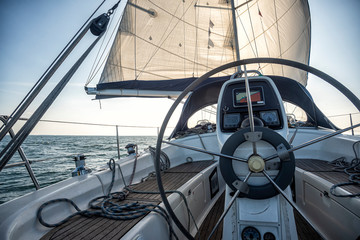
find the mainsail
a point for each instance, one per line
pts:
(162, 46)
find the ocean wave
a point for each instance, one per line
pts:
(53, 159)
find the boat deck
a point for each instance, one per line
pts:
(328, 172)
(80, 227)
(304, 230)
(211, 220)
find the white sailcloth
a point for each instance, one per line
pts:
(179, 40)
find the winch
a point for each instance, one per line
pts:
(131, 149)
(80, 166)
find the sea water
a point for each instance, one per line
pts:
(58, 153)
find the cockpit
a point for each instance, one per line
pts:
(267, 105)
(233, 108)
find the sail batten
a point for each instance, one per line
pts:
(161, 40)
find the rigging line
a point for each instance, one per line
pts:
(172, 52)
(297, 39)
(271, 24)
(274, 22)
(236, 35)
(159, 46)
(223, 48)
(253, 33)
(212, 7)
(19, 163)
(41, 82)
(119, 60)
(150, 73)
(243, 4)
(266, 43)
(97, 55)
(135, 43)
(305, 28)
(184, 38)
(247, 36)
(94, 69)
(252, 30)
(288, 49)
(208, 48)
(26, 129)
(98, 66)
(90, 124)
(196, 19)
(224, 55)
(277, 28)
(232, 38)
(190, 24)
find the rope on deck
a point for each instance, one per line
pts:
(103, 206)
(352, 169)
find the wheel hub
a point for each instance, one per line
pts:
(256, 163)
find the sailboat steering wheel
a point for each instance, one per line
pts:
(255, 162)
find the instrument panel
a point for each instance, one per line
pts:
(256, 95)
(265, 103)
(251, 233)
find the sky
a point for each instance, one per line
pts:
(32, 33)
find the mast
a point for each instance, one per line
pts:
(235, 33)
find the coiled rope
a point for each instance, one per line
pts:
(164, 159)
(104, 206)
(351, 169)
(203, 126)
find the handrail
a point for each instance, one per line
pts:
(16, 164)
(25, 161)
(344, 114)
(90, 124)
(350, 118)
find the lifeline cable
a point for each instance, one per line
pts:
(32, 93)
(97, 27)
(25, 130)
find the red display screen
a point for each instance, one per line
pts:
(256, 95)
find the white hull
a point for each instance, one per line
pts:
(324, 211)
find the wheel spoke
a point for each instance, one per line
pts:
(254, 148)
(279, 189)
(316, 140)
(271, 157)
(206, 151)
(290, 201)
(247, 177)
